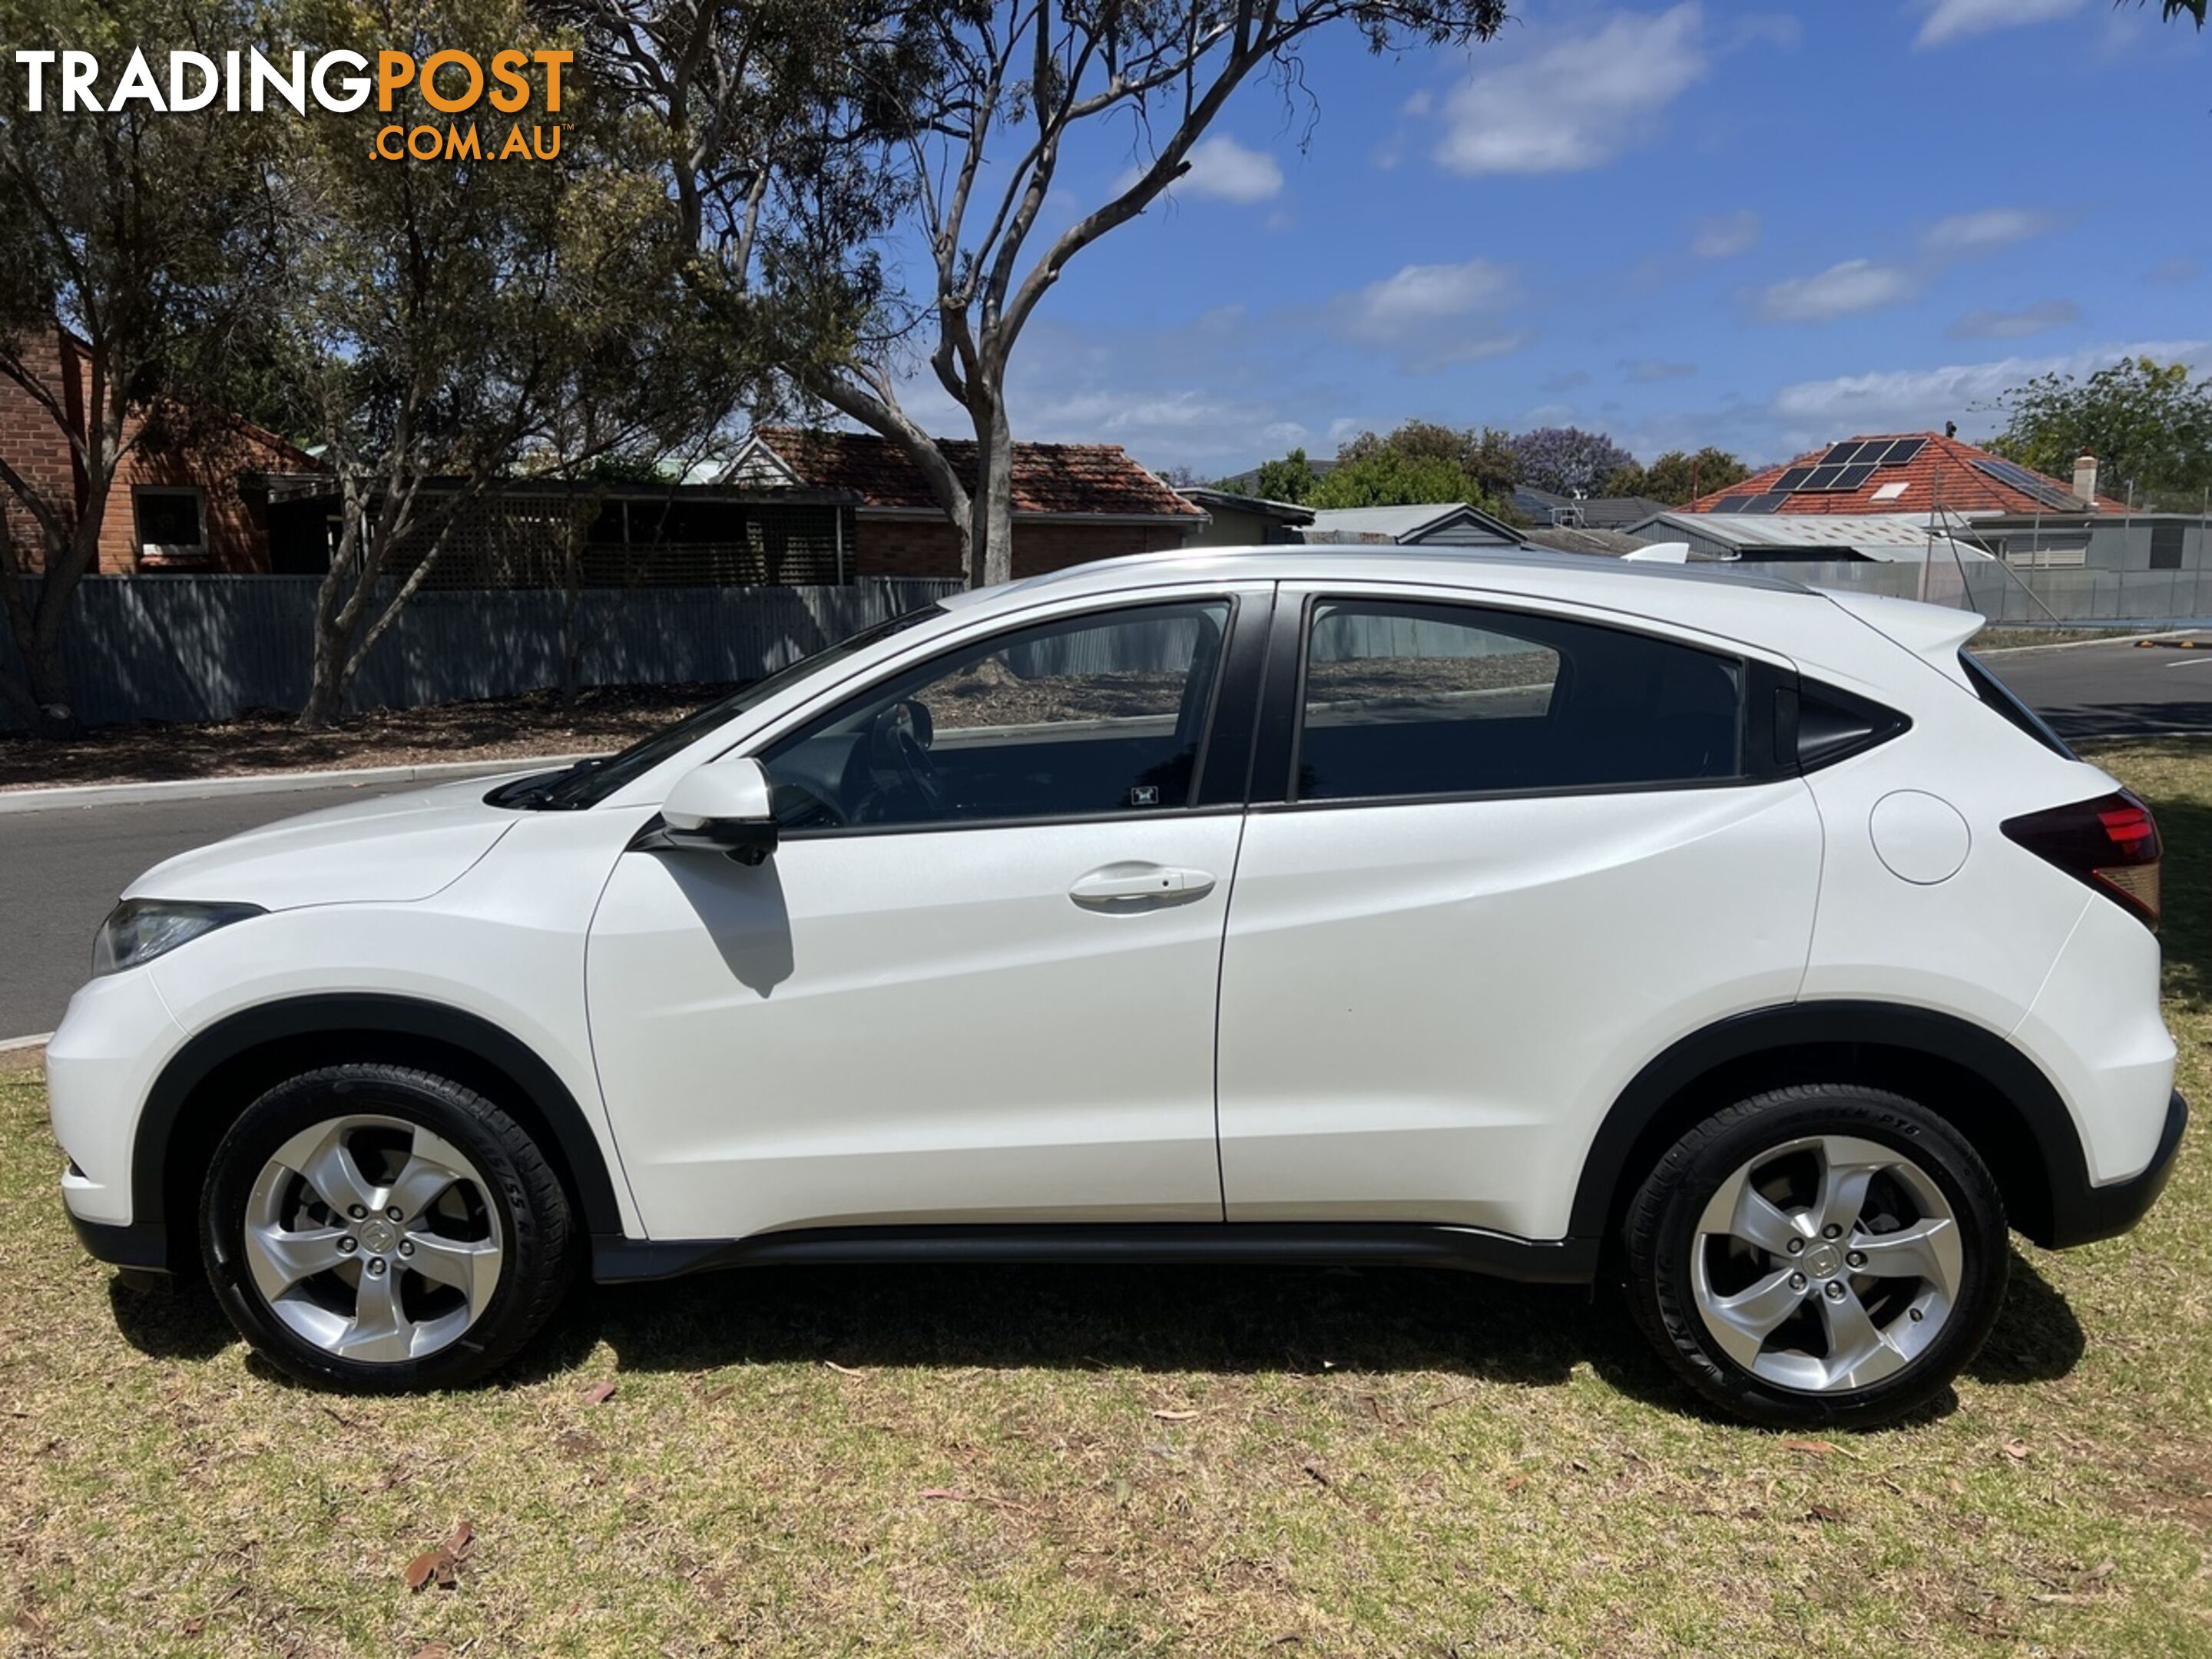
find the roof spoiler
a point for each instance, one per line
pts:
(1934, 633)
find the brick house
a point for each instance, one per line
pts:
(172, 507)
(1893, 472)
(1072, 502)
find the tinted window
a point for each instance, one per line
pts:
(1103, 713)
(1409, 699)
(592, 783)
(2165, 546)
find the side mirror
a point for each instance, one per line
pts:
(722, 807)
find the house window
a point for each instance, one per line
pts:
(2165, 546)
(172, 523)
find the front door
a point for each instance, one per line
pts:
(975, 981)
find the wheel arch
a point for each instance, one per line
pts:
(1996, 1096)
(223, 1069)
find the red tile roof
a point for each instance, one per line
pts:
(1075, 478)
(1942, 474)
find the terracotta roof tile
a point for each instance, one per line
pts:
(1048, 477)
(1942, 474)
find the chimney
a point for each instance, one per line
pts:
(2085, 478)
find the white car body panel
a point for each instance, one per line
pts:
(1427, 1010)
(393, 850)
(912, 1028)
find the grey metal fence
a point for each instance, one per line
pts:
(207, 647)
(2011, 594)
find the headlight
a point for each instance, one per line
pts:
(138, 930)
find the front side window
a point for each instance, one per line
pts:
(1100, 714)
(1404, 698)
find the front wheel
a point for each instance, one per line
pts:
(382, 1229)
(1818, 1255)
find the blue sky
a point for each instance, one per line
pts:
(1762, 227)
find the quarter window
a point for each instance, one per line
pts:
(1407, 699)
(1097, 715)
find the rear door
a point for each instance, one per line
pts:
(1497, 859)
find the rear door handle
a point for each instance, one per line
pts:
(1124, 886)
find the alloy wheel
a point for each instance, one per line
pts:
(1826, 1263)
(372, 1238)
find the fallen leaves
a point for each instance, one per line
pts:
(439, 1567)
(600, 1393)
(842, 1370)
(2017, 1450)
(1175, 1416)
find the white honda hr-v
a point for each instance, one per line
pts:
(1545, 916)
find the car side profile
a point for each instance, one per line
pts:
(1546, 916)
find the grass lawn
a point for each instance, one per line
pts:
(1094, 1463)
(2006, 639)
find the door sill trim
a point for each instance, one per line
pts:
(1281, 1243)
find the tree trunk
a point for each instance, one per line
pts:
(989, 554)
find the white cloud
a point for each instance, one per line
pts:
(1963, 234)
(1221, 170)
(2173, 272)
(1420, 103)
(1579, 101)
(1418, 298)
(1955, 20)
(1650, 371)
(1724, 235)
(2041, 319)
(1841, 290)
(1225, 171)
(1901, 399)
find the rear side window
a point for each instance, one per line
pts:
(1998, 696)
(1410, 699)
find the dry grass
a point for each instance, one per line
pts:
(1094, 1463)
(2007, 639)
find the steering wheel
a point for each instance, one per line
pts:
(899, 738)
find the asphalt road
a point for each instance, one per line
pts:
(2113, 690)
(65, 867)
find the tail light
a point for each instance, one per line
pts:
(2110, 842)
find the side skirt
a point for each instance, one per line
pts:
(615, 1260)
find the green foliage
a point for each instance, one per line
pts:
(1677, 476)
(1289, 479)
(2149, 424)
(1420, 462)
(1386, 477)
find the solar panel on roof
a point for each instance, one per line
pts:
(1793, 479)
(1903, 450)
(1853, 476)
(1770, 502)
(1730, 504)
(1822, 477)
(2028, 483)
(1840, 454)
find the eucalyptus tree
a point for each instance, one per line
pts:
(137, 255)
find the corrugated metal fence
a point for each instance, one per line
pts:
(207, 647)
(2010, 594)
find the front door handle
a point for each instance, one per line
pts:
(1128, 885)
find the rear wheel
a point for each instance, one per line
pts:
(1825, 1254)
(384, 1228)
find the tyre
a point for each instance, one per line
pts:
(1828, 1255)
(380, 1228)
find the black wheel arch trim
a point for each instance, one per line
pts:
(2078, 1212)
(369, 1014)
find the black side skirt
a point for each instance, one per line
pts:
(1317, 1244)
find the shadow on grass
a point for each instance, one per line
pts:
(1234, 1320)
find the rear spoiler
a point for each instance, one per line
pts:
(1934, 633)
